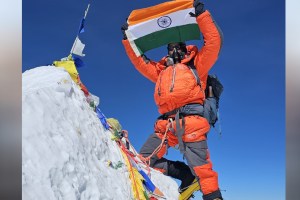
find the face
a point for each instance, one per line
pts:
(174, 46)
(177, 51)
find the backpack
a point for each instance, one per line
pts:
(211, 104)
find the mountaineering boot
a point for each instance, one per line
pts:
(181, 171)
(216, 195)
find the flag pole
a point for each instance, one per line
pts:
(86, 11)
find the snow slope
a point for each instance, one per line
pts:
(65, 147)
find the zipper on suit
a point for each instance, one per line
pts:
(159, 85)
(173, 78)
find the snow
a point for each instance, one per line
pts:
(65, 148)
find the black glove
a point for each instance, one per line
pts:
(199, 8)
(124, 27)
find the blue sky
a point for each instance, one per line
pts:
(250, 154)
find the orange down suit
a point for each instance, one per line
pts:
(176, 86)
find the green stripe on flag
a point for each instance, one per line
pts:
(163, 37)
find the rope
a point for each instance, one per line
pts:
(134, 155)
(148, 158)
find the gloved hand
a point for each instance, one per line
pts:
(199, 8)
(124, 27)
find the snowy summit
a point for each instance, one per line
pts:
(66, 150)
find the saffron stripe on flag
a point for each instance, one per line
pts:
(145, 14)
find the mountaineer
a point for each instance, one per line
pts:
(180, 99)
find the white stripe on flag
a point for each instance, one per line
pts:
(132, 43)
(78, 47)
(178, 18)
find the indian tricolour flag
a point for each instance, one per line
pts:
(155, 26)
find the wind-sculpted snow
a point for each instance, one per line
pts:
(65, 147)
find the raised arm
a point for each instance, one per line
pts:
(146, 67)
(213, 37)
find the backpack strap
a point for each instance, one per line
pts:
(193, 69)
(180, 131)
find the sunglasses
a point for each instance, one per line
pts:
(176, 46)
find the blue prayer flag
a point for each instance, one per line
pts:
(78, 62)
(81, 27)
(102, 118)
(148, 183)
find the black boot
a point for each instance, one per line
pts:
(213, 196)
(181, 171)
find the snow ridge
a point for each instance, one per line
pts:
(65, 147)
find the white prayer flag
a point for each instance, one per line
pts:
(78, 47)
